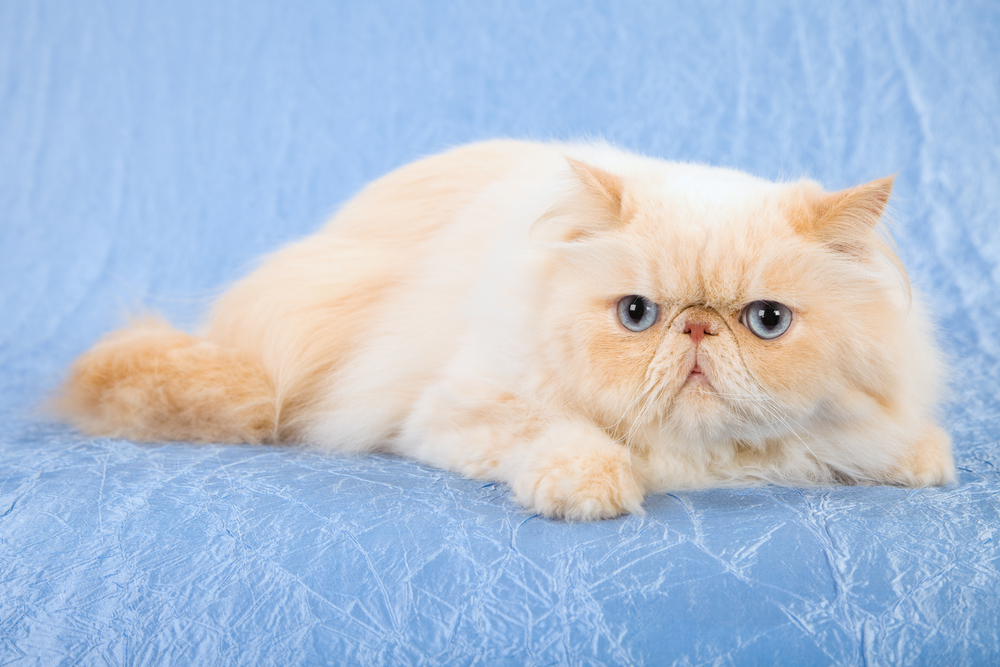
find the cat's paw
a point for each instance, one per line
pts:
(590, 484)
(929, 462)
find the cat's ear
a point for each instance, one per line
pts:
(606, 187)
(598, 207)
(844, 220)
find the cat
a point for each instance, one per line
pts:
(581, 323)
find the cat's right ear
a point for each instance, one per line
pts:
(604, 186)
(601, 206)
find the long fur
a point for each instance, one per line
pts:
(462, 311)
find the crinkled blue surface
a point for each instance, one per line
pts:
(150, 151)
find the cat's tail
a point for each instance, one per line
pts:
(150, 382)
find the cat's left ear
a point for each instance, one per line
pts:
(844, 220)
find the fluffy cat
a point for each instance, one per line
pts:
(581, 323)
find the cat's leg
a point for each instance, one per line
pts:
(573, 470)
(560, 466)
(928, 462)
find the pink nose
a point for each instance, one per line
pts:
(696, 330)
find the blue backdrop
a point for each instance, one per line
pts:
(149, 151)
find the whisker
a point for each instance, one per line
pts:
(637, 396)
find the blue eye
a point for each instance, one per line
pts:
(637, 313)
(767, 319)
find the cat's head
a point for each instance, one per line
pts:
(712, 309)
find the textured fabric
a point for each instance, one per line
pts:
(150, 151)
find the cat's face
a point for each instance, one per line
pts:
(721, 308)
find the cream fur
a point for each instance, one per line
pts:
(462, 311)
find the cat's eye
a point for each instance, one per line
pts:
(767, 319)
(637, 313)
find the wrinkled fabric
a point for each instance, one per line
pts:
(149, 152)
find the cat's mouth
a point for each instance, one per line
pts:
(698, 376)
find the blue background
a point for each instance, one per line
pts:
(149, 152)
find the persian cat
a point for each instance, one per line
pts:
(583, 324)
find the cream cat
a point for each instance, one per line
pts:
(583, 324)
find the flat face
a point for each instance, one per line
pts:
(756, 327)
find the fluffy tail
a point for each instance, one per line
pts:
(150, 382)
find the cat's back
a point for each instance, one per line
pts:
(418, 199)
(314, 303)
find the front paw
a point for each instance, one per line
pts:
(586, 485)
(929, 462)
